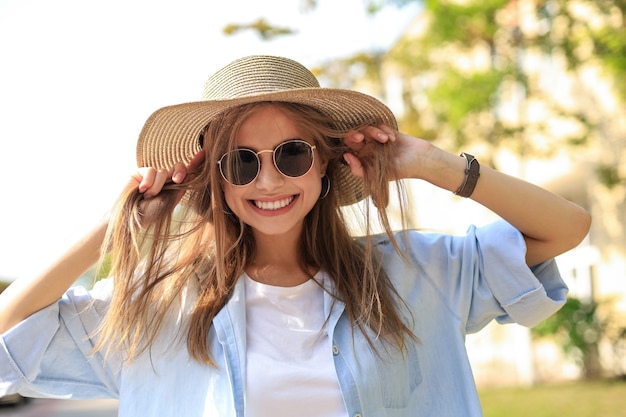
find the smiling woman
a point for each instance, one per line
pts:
(236, 284)
(90, 74)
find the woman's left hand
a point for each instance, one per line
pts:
(408, 154)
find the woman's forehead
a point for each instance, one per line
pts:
(267, 127)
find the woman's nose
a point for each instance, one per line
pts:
(269, 177)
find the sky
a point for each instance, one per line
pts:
(79, 78)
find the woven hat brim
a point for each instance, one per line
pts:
(170, 134)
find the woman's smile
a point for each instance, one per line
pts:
(274, 205)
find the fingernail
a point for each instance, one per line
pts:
(345, 158)
(383, 136)
(178, 177)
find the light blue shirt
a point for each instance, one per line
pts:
(453, 285)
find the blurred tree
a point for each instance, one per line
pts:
(578, 330)
(467, 71)
(587, 30)
(475, 56)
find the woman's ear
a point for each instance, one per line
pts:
(323, 166)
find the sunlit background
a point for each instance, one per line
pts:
(533, 88)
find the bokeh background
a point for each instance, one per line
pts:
(534, 88)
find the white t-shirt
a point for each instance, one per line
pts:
(290, 369)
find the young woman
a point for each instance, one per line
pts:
(237, 288)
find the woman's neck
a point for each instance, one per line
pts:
(276, 261)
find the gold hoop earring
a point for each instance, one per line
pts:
(327, 188)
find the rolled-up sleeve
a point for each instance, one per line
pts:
(50, 354)
(478, 277)
(527, 295)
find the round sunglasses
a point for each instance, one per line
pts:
(293, 158)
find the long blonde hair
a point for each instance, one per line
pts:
(206, 247)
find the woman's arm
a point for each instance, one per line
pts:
(550, 224)
(27, 295)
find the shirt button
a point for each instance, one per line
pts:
(357, 415)
(336, 352)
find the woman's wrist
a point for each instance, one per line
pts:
(443, 169)
(472, 173)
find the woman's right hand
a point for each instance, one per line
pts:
(149, 182)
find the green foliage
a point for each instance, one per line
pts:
(464, 22)
(610, 48)
(261, 26)
(460, 98)
(464, 98)
(576, 326)
(597, 34)
(458, 95)
(609, 176)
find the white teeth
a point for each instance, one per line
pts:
(273, 205)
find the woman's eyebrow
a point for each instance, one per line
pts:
(310, 142)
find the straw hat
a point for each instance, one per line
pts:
(171, 133)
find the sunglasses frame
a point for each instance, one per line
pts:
(273, 151)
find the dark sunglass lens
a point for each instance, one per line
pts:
(240, 167)
(294, 158)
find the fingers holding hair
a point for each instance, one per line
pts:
(152, 184)
(366, 145)
(150, 181)
(381, 133)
